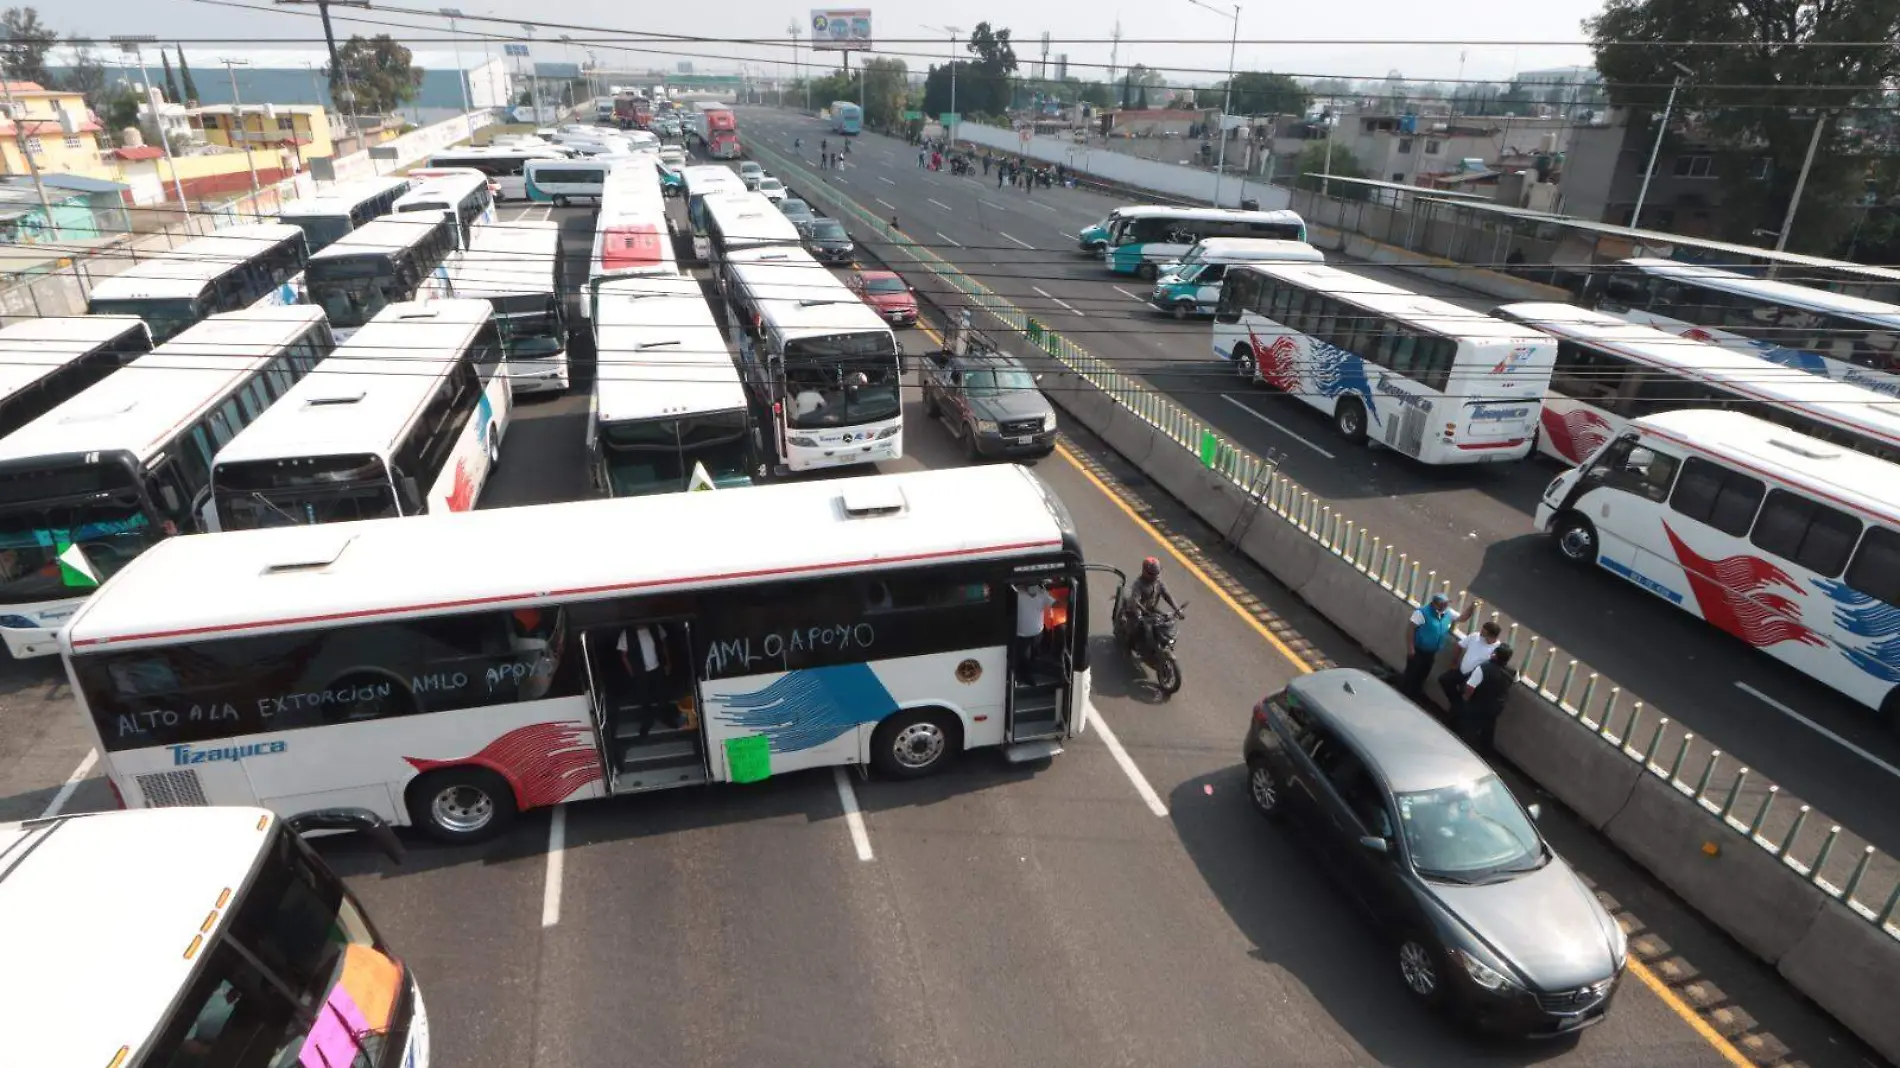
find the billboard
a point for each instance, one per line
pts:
(848, 30)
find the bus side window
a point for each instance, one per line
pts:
(485, 351)
(1723, 499)
(1805, 532)
(1641, 470)
(1876, 567)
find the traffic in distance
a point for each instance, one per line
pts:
(880, 626)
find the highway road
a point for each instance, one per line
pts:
(1471, 525)
(1120, 906)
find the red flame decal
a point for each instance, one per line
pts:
(1696, 333)
(462, 497)
(1577, 433)
(1279, 361)
(544, 762)
(1722, 590)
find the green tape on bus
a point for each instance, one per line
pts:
(748, 759)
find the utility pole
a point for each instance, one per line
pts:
(237, 124)
(534, 76)
(32, 164)
(345, 101)
(130, 42)
(1787, 221)
(1227, 96)
(1642, 194)
(1114, 50)
(461, 76)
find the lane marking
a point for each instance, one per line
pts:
(886, 203)
(1040, 204)
(885, 180)
(1818, 729)
(987, 204)
(940, 203)
(1019, 241)
(557, 864)
(1050, 296)
(1130, 296)
(853, 817)
(1114, 744)
(1249, 409)
(71, 784)
(1728, 1051)
(948, 238)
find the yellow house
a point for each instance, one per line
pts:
(302, 127)
(55, 127)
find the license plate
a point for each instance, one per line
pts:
(1028, 440)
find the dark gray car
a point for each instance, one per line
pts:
(827, 240)
(798, 211)
(991, 403)
(1487, 921)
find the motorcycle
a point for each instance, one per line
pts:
(1150, 646)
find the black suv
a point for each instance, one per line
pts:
(827, 241)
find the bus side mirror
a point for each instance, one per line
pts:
(411, 494)
(350, 819)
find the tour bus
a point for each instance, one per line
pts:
(1416, 374)
(407, 419)
(744, 221)
(381, 264)
(93, 483)
(1192, 286)
(47, 361)
(505, 164)
(518, 269)
(1846, 338)
(846, 117)
(241, 266)
(701, 182)
(1093, 239)
(631, 233)
(824, 364)
(1610, 370)
(467, 195)
(1788, 542)
(392, 665)
(243, 947)
(1142, 240)
(340, 207)
(669, 411)
(561, 181)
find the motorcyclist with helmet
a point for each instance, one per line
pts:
(1145, 597)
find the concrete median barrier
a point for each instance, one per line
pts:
(1847, 966)
(1080, 400)
(1747, 891)
(1588, 774)
(1208, 495)
(1133, 436)
(1283, 550)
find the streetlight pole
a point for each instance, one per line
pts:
(130, 43)
(1227, 95)
(461, 76)
(534, 76)
(952, 31)
(237, 124)
(1814, 142)
(1636, 217)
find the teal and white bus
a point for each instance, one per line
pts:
(846, 117)
(1142, 240)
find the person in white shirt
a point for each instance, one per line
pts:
(1032, 605)
(643, 654)
(1475, 649)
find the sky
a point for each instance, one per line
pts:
(916, 31)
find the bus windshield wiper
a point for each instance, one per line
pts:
(268, 503)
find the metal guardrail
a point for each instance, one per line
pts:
(1597, 708)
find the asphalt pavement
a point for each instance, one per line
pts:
(1472, 525)
(1121, 905)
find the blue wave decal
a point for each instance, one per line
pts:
(807, 708)
(1874, 623)
(1799, 359)
(1338, 371)
(484, 415)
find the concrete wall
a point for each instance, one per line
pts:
(1169, 179)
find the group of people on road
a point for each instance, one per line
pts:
(1475, 690)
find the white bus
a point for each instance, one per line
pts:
(242, 266)
(741, 221)
(1610, 371)
(391, 665)
(47, 361)
(632, 235)
(1418, 375)
(1143, 240)
(340, 207)
(698, 183)
(1790, 543)
(518, 269)
(244, 948)
(407, 418)
(468, 196)
(822, 363)
(1823, 333)
(381, 264)
(93, 483)
(669, 411)
(505, 164)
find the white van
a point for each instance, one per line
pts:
(1192, 286)
(561, 181)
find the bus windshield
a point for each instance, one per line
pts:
(166, 318)
(97, 508)
(657, 456)
(351, 291)
(532, 324)
(841, 392)
(298, 946)
(320, 231)
(318, 489)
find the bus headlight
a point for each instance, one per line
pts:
(802, 441)
(890, 432)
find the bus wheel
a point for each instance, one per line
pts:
(461, 805)
(1243, 361)
(1577, 540)
(1350, 418)
(910, 745)
(494, 449)
(1183, 309)
(1147, 271)
(560, 202)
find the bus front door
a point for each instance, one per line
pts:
(646, 706)
(1040, 667)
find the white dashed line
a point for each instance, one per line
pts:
(885, 180)
(71, 784)
(886, 203)
(1250, 410)
(1130, 296)
(1127, 763)
(853, 818)
(1019, 241)
(1823, 731)
(1050, 296)
(557, 864)
(951, 240)
(941, 204)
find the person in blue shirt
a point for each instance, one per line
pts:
(1428, 628)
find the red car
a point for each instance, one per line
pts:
(887, 294)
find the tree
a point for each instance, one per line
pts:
(188, 87)
(1759, 100)
(1312, 166)
(119, 108)
(884, 91)
(1097, 94)
(992, 49)
(171, 83)
(937, 89)
(87, 75)
(381, 72)
(29, 40)
(1259, 93)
